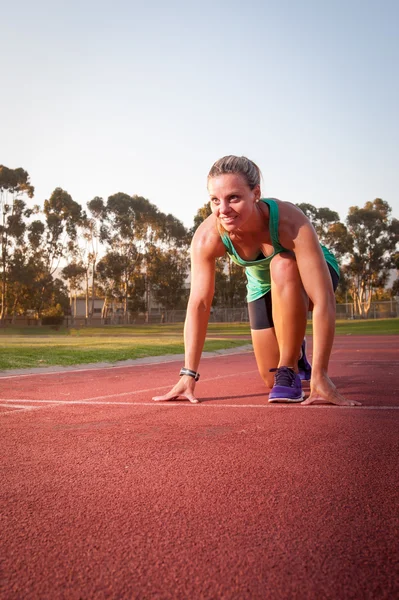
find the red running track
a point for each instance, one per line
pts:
(106, 494)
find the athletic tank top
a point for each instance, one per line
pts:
(258, 271)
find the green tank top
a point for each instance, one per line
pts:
(258, 271)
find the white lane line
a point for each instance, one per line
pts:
(19, 409)
(148, 390)
(16, 406)
(185, 404)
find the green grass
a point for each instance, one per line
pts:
(23, 351)
(368, 327)
(44, 346)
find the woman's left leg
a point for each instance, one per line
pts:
(266, 351)
(264, 339)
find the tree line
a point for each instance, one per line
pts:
(124, 250)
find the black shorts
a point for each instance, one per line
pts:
(260, 310)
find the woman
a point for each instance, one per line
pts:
(288, 273)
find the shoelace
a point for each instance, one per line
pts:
(284, 376)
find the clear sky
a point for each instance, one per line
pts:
(142, 97)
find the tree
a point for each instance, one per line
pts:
(202, 213)
(230, 284)
(83, 251)
(167, 271)
(62, 217)
(122, 281)
(131, 226)
(52, 238)
(331, 232)
(375, 236)
(93, 237)
(14, 185)
(22, 276)
(74, 274)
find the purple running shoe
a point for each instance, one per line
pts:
(287, 386)
(304, 366)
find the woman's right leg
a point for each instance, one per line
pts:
(290, 308)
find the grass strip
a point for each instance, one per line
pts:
(43, 346)
(49, 351)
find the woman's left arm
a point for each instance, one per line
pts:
(317, 282)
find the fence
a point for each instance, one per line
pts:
(378, 310)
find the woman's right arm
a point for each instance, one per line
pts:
(205, 248)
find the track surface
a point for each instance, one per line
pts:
(106, 494)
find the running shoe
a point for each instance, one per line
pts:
(287, 386)
(304, 366)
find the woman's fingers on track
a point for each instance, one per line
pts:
(165, 397)
(323, 391)
(183, 389)
(174, 396)
(338, 402)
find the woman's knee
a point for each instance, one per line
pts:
(283, 269)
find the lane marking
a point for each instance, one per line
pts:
(147, 390)
(15, 405)
(19, 408)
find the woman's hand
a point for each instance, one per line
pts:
(183, 389)
(323, 391)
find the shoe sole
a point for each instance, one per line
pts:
(292, 400)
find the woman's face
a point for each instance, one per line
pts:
(232, 200)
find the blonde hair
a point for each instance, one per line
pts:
(237, 165)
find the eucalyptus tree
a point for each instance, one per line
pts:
(333, 234)
(75, 274)
(31, 288)
(330, 230)
(62, 217)
(130, 226)
(55, 234)
(23, 272)
(93, 239)
(200, 216)
(321, 218)
(167, 271)
(375, 237)
(121, 282)
(83, 255)
(15, 186)
(109, 276)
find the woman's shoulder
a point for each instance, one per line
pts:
(289, 210)
(207, 238)
(290, 220)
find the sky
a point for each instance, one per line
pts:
(142, 97)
